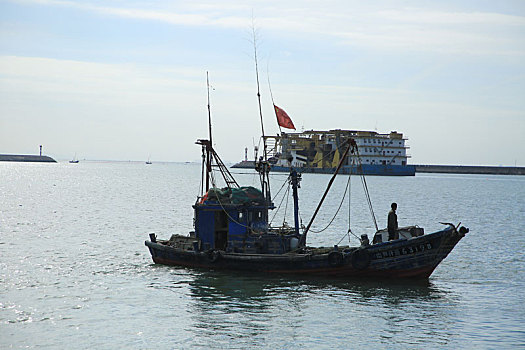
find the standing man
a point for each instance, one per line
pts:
(392, 222)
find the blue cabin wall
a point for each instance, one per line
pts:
(239, 239)
(205, 227)
(241, 235)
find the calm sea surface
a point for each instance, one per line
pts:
(75, 274)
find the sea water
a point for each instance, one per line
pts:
(75, 274)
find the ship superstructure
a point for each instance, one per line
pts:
(320, 151)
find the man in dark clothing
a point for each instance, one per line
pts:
(392, 222)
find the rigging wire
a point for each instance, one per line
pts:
(347, 234)
(285, 195)
(286, 205)
(284, 183)
(367, 194)
(337, 211)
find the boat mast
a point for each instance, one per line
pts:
(295, 180)
(208, 158)
(258, 88)
(262, 165)
(210, 155)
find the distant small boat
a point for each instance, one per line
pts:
(148, 161)
(74, 160)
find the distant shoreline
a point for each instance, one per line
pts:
(25, 158)
(420, 168)
(471, 169)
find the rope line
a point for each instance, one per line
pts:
(365, 187)
(287, 195)
(279, 207)
(337, 211)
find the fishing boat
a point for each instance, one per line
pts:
(74, 160)
(232, 231)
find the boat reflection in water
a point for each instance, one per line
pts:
(251, 307)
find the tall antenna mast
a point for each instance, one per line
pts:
(258, 86)
(262, 166)
(209, 153)
(209, 109)
(208, 157)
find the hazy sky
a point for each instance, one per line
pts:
(124, 80)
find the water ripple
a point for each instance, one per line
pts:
(74, 269)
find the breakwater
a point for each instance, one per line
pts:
(25, 158)
(471, 169)
(445, 169)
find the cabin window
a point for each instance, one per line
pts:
(255, 215)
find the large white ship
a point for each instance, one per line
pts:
(316, 151)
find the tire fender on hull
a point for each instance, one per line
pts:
(360, 259)
(335, 259)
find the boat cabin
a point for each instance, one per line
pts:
(235, 220)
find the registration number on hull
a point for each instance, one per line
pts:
(403, 251)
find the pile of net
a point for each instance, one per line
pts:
(242, 195)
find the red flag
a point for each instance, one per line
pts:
(283, 119)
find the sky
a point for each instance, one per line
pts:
(126, 80)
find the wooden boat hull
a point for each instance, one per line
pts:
(414, 258)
